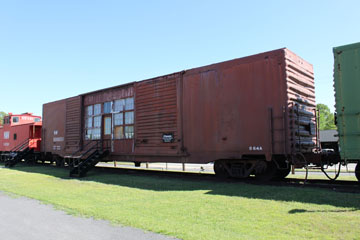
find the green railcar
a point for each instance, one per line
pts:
(347, 101)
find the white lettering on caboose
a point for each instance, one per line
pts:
(27, 118)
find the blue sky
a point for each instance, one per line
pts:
(51, 50)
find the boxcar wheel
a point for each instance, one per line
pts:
(357, 171)
(282, 173)
(220, 169)
(268, 173)
(59, 162)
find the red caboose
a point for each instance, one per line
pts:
(18, 129)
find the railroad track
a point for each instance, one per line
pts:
(338, 185)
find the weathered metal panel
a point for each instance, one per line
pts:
(107, 95)
(53, 131)
(227, 108)
(156, 116)
(123, 146)
(73, 114)
(301, 103)
(347, 89)
(62, 126)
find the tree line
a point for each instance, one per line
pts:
(326, 117)
(2, 115)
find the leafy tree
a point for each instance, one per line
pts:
(2, 115)
(326, 118)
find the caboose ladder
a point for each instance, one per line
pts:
(18, 153)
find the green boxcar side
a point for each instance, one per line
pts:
(347, 99)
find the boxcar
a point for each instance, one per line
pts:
(347, 98)
(252, 115)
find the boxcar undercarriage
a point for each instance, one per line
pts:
(278, 168)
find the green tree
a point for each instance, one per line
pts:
(2, 115)
(326, 118)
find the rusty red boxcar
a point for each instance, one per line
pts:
(251, 115)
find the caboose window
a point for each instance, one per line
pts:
(15, 119)
(15, 136)
(6, 135)
(7, 120)
(36, 119)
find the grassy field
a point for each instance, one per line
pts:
(192, 210)
(343, 177)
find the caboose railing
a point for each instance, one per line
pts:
(21, 146)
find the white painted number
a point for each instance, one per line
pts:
(255, 148)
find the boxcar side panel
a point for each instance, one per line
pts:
(156, 106)
(53, 130)
(73, 129)
(347, 99)
(227, 108)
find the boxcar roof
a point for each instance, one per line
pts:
(191, 70)
(346, 47)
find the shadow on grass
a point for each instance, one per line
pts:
(162, 182)
(294, 211)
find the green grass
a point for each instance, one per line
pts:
(193, 210)
(343, 177)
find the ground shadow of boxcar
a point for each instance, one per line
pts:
(165, 182)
